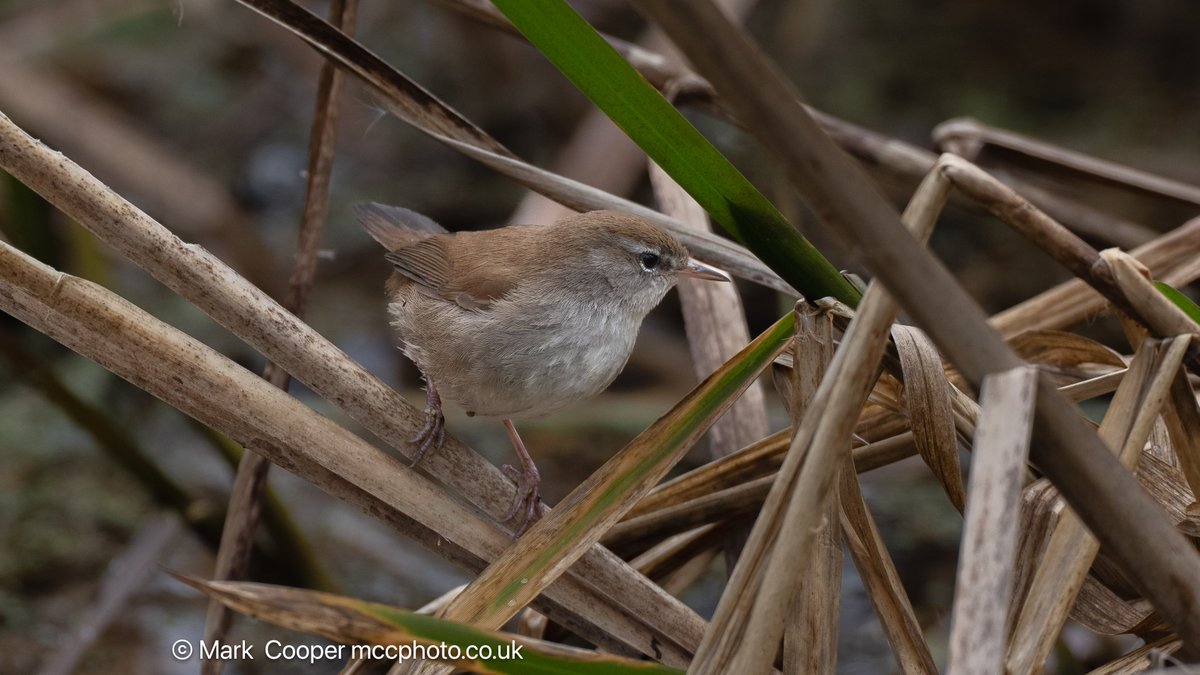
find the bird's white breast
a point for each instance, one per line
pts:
(509, 361)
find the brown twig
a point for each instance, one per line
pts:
(1151, 309)
(1171, 257)
(976, 135)
(732, 502)
(810, 636)
(985, 573)
(715, 322)
(237, 539)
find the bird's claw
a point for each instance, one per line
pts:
(527, 506)
(432, 435)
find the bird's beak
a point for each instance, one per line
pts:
(698, 270)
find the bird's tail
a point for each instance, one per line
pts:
(394, 227)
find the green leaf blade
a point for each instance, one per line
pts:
(593, 66)
(1181, 301)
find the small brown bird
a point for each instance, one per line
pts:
(522, 321)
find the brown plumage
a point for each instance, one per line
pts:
(521, 321)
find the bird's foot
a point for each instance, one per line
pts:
(527, 506)
(433, 434)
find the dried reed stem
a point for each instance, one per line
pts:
(237, 538)
(985, 567)
(1171, 257)
(1163, 565)
(810, 636)
(715, 323)
(200, 382)
(748, 624)
(1071, 548)
(250, 314)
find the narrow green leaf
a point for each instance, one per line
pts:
(352, 621)
(653, 123)
(1181, 301)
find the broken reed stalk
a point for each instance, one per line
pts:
(1165, 568)
(1162, 317)
(248, 313)
(715, 324)
(976, 134)
(810, 636)
(749, 621)
(882, 581)
(1071, 548)
(740, 482)
(983, 588)
(245, 500)
(618, 610)
(1171, 257)
(1085, 262)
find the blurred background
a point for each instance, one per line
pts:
(198, 111)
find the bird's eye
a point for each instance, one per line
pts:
(649, 260)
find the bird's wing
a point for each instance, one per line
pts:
(395, 227)
(437, 265)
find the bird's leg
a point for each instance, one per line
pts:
(527, 505)
(433, 434)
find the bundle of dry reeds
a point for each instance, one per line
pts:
(1063, 518)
